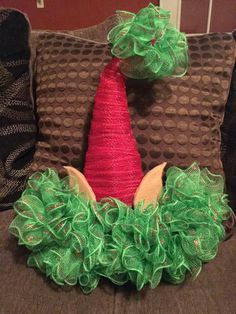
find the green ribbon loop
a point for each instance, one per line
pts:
(148, 45)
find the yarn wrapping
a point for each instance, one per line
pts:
(113, 165)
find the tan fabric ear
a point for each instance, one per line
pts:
(77, 179)
(150, 187)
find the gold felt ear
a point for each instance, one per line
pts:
(78, 180)
(150, 187)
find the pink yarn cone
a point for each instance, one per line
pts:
(113, 164)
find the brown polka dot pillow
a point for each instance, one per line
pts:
(177, 119)
(67, 75)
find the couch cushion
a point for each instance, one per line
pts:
(97, 32)
(17, 121)
(175, 120)
(24, 290)
(27, 291)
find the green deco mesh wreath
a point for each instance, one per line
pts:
(76, 241)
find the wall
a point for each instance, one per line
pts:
(195, 16)
(200, 16)
(72, 14)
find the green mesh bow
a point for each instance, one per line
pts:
(75, 241)
(148, 45)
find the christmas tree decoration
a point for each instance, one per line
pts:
(113, 164)
(111, 220)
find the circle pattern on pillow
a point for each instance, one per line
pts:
(175, 119)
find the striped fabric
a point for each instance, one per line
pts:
(17, 122)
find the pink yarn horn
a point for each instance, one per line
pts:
(113, 164)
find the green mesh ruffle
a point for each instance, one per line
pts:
(148, 45)
(74, 241)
